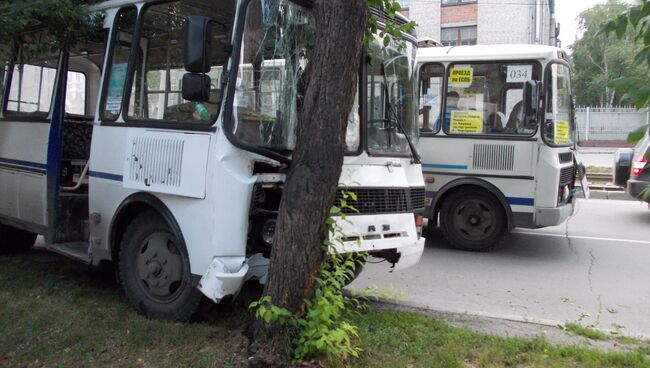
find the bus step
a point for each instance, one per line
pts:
(77, 250)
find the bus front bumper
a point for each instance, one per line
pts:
(410, 255)
(553, 216)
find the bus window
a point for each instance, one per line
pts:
(431, 78)
(486, 98)
(392, 106)
(124, 29)
(353, 130)
(156, 91)
(33, 77)
(559, 129)
(513, 107)
(276, 51)
(85, 62)
(75, 95)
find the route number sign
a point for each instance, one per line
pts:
(519, 73)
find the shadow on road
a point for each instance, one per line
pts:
(536, 248)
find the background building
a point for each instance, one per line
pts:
(471, 22)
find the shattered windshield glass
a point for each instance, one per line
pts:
(276, 46)
(391, 102)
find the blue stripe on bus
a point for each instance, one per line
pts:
(441, 166)
(107, 176)
(10, 161)
(514, 201)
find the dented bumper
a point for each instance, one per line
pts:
(225, 276)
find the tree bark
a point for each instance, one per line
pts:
(310, 188)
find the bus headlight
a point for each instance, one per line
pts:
(566, 194)
(563, 194)
(267, 231)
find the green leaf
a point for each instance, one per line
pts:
(335, 210)
(637, 135)
(635, 16)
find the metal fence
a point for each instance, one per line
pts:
(609, 123)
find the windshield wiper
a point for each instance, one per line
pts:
(395, 118)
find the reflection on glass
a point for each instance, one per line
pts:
(277, 43)
(558, 128)
(391, 98)
(487, 98)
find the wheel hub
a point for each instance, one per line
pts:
(160, 267)
(475, 219)
(154, 268)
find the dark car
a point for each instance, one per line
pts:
(630, 169)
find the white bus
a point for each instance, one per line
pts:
(497, 136)
(167, 157)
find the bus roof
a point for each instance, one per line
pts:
(490, 52)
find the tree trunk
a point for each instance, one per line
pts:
(317, 159)
(312, 180)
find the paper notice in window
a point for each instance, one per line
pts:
(562, 132)
(461, 76)
(116, 88)
(466, 122)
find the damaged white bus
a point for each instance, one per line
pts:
(161, 146)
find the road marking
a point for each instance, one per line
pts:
(582, 237)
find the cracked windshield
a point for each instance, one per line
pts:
(275, 52)
(392, 106)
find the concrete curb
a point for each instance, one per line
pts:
(452, 314)
(604, 194)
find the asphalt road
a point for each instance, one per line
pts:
(594, 269)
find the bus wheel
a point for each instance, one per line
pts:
(154, 270)
(14, 240)
(472, 220)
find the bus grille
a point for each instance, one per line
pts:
(417, 198)
(383, 200)
(567, 175)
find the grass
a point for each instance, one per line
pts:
(408, 339)
(586, 331)
(599, 170)
(54, 312)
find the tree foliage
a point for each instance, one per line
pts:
(600, 58)
(66, 21)
(635, 21)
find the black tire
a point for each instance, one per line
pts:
(472, 219)
(14, 240)
(154, 270)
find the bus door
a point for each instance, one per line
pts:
(25, 132)
(70, 142)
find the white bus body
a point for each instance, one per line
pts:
(491, 165)
(101, 154)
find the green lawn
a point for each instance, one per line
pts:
(54, 312)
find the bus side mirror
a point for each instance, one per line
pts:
(197, 44)
(196, 87)
(196, 56)
(532, 92)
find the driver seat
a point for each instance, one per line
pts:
(516, 118)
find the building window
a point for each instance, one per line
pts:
(457, 2)
(404, 4)
(454, 36)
